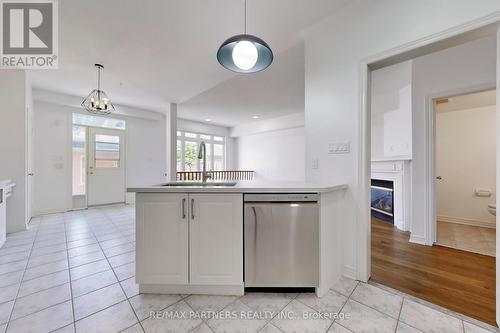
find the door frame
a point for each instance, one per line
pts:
(87, 147)
(430, 154)
(363, 225)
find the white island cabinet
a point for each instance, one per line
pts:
(216, 239)
(190, 242)
(189, 238)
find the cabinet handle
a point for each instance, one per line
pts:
(184, 208)
(192, 209)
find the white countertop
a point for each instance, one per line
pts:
(244, 187)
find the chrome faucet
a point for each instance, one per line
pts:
(202, 155)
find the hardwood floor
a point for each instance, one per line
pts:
(457, 280)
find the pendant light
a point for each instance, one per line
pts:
(97, 101)
(245, 53)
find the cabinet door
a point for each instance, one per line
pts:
(216, 239)
(162, 238)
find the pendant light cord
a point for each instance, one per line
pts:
(245, 17)
(98, 78)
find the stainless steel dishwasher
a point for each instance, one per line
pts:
(281, 237)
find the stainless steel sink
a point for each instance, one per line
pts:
(188, 183)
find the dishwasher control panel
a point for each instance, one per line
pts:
(281, 197)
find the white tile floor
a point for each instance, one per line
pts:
(75, 272)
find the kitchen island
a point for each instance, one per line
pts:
(189, 239)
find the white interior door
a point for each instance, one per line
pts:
(106, 166)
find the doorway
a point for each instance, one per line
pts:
(465, 162)
(400, 107)
(98, 161)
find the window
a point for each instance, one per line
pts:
(83, 167)
(79, 160)
(95, 121)
(107, 151)
(187, 151)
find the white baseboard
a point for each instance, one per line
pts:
(349, 272)
(459, 220)
(37, 213)
(417, 239)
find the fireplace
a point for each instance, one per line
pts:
(382, 199)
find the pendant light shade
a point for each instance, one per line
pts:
(245, 53)
(97, 101)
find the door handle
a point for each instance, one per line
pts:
(192, 209)
(439, 178)
(31, 174)
(183, 208)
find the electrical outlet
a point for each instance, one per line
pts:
(339, 148)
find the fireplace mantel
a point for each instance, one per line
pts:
(399, 172)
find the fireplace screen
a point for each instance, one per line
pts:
(382, 200)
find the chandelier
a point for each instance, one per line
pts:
(97, 101)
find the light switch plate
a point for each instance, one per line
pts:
(315, 163)
(339, 148)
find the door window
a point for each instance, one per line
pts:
(107, 151)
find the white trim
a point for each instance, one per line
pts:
(430, 155)
(363, 229)
(69, 162)
(466, 221)
(392, 159)
(237, 290)
(363, 238)
(349, 272)
(417, 239)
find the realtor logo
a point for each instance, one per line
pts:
(28, 34)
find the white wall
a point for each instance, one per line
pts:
(274, 156)
(334, 50)
(144, 156)
(274, 148)
(145, 153)
(13, 101)
(52, 190)
(461, 68)
(466, 159)
(391, 112)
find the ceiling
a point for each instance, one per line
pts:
(274, 92)
(156, 51)
(468, 101)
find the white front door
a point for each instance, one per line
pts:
(106, 166)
